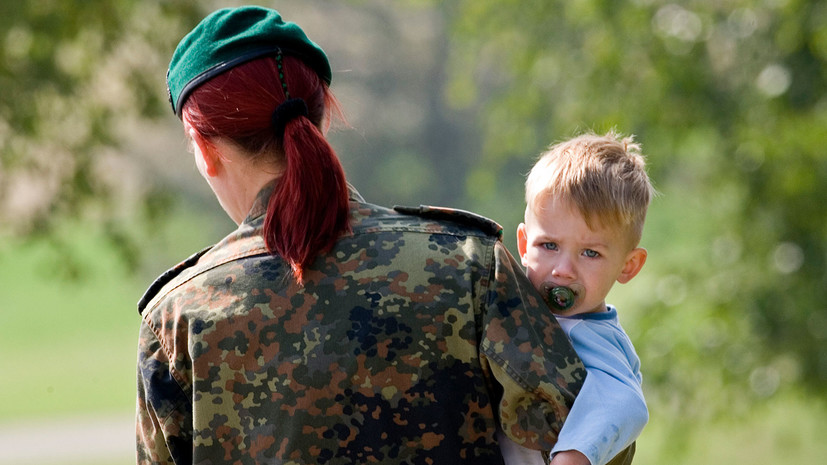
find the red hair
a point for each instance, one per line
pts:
(308, 211)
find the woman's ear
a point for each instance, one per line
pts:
(207, 157)
(634, 262)
(522, 243)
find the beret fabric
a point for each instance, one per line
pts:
(232, 36)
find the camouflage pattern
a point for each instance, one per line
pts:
(407, 344)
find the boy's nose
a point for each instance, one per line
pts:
(563, 269)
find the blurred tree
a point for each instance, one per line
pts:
(728, 99)
(410, 146)
(77, 76)
(70, 73)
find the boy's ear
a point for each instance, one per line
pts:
(522, 242)
(634, 262)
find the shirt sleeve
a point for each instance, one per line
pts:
(164, 414)
(529, 356)
(610, 411)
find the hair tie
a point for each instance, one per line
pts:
(286, 112)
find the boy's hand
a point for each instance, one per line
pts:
(569, 457)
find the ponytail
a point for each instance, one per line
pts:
(309, 207)
(308, 210)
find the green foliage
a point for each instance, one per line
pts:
(728, 100)
(70, 73)
(727, 97)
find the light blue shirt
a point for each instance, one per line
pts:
(610, 411)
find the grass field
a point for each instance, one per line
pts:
(68, 361)
(68, 345)
(68, 355)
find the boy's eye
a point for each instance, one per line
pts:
(549, 245)
(591, 253)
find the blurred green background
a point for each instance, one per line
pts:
(449, 103)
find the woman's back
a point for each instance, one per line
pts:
(376, 357)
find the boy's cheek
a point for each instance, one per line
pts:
(535, 277)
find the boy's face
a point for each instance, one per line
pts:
(559, 249)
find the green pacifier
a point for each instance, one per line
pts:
(561, 298)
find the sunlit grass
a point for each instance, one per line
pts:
(68, 318)
(68, 344)
(785, 429)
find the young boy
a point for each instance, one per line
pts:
(586, 204)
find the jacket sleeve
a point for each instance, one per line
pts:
(610, 411)
(529, 356)
(164, 413)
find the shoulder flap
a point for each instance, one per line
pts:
(462, 217)
(165, 278)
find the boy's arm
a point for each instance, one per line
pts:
(569, 457)
(573, 457)
(610, 411)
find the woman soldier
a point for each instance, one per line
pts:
(326, 329)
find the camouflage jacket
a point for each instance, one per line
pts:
(407, 344)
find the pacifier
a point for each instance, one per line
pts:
(561, 298)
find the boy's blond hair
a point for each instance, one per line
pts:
(604, 177)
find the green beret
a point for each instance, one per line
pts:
(231, 36)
